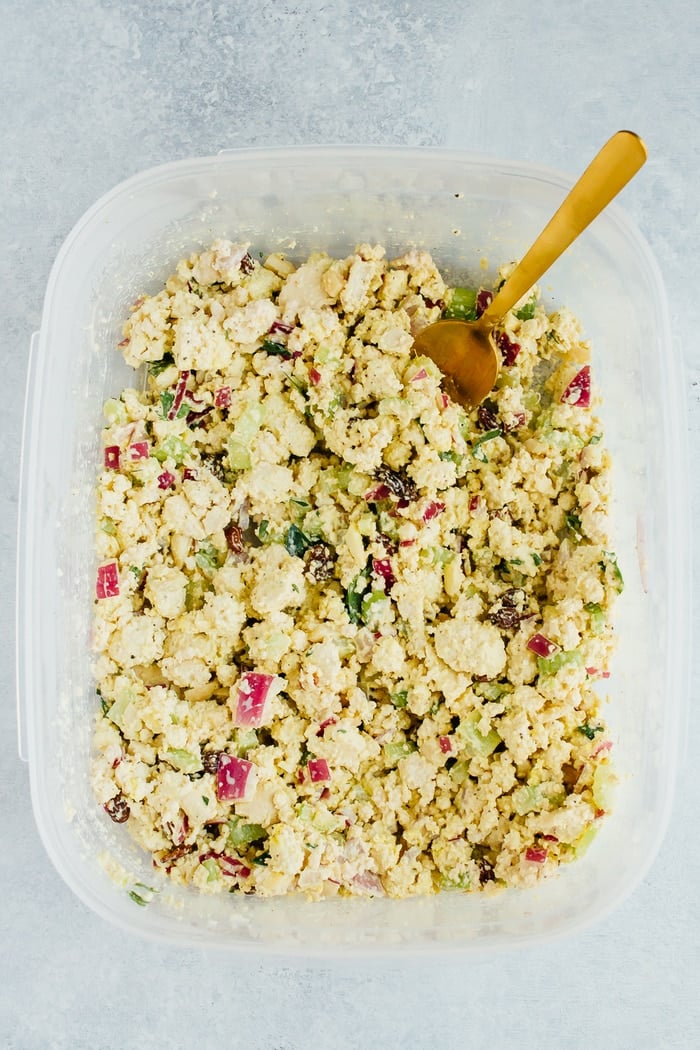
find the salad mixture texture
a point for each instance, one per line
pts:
(348, 634)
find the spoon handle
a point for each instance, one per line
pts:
(610, 170)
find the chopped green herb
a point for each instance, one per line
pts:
(399, 699)
(353, 598)
(526, 312)
(137, 899)
(205, 800)
(590, 731)
(477, 450)
(296, 542)
(208, 558)
(573, 522)
(597, 617)
(536, 558)
(276, 349)
(611, 560)
(167, 399)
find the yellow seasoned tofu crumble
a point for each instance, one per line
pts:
(348, 634)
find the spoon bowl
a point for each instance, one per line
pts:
(465, 351)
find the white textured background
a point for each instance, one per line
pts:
(91, 92)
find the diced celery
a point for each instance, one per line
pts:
(462, 882)
(472, 740)
(118, 709)
(399, 699)
(241, 834)
(374, 607)
(478, 451)
(533, 798)
(398, 749)
(549, 665)
(183, 760)
(115, 411)
(246, 739)
(597, 617)
(461, 304)
(214, 872)
(584, 840)
(208, 558)
(108, 526)
(195, 592)
(172, 447)
(460, 772)
(246, 427)
(318, 817)
(491, 690)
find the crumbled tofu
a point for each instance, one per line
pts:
(347, 633)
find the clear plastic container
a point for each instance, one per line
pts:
(462, 208)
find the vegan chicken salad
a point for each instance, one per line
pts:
(348, 634)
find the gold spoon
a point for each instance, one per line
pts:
(465, 351)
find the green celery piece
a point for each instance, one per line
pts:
(173, 447)
(212, 868)
(597, 617)
(398, 749)
(460, 772)
(399, 699)
(462, 304)
(208, 558)
(473, 741)
(247, 426)
(611, 560)
(460, 883)
(118, 709)
(534, 798)
(115, 411)
(184, 761)
(156, 367)
(549, 665)
(241, 834)
(195, 592)
(372, 606)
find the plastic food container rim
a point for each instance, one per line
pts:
(336, 155)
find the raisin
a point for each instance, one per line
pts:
(488, 415)
(118, 809)
(216, 464)
(234, 538)
(168, 858)
(210, 761)
(387, 543)
(397, 482)
(509, 610)
(247, 263)
(486, 871)
(320, 561)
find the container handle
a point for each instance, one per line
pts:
(21, 625)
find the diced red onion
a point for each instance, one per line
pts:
(314, 376)
(578, 392)
(232, 776)
(420, 374)
(604, 745)
(318, 770)
(406, 543)
(229, 865)
(369, 882)
(253, 691)
(536, 855)
(166, 480)
(541, 646)
(107, 585)
(434, 508)
(112, 457)
(222, 397)
(483, 300)
(281, 326)
(550, 838)
(445, 744)
(325, 724)
(375, 494)
(382, 567)
(443, 400)
(508, 348)
(189, 475)
(139, 450)
(474, 503)
(595, 673)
